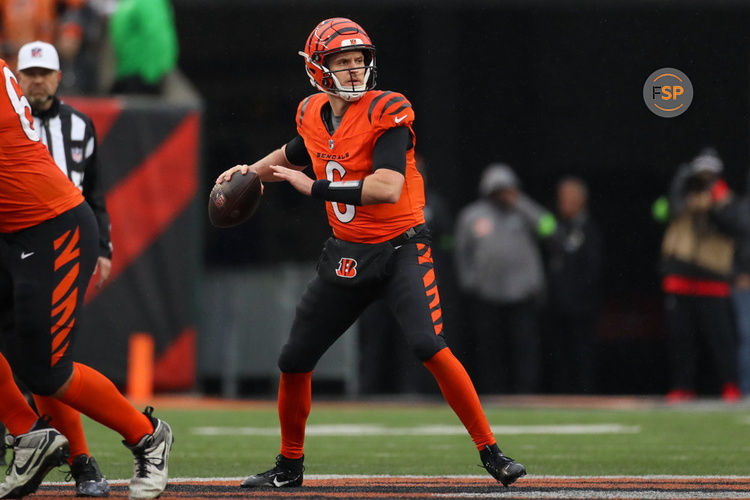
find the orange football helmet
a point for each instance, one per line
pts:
(332, 36)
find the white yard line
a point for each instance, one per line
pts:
(323, 477)
(335, 430)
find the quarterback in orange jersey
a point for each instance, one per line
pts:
(360, 143)
(48, 248)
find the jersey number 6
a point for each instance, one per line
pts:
(20, 104)
(348, 214)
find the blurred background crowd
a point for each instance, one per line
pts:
(118, 46)
(582, 244)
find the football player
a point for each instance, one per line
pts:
(360, 143)
(48, 250)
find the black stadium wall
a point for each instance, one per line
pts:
(552, 87)
(150, 158)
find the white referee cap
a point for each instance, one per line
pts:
(38, 55)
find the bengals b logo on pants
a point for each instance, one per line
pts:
(347, 268)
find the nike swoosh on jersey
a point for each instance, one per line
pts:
(400, 119)
(25, 255)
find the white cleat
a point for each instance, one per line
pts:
(151, 457)
(34, 454)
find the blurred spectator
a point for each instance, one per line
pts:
(697, 258)
(65, 23)
(79, 55)
(574, 267)
(498, 262)
(386, 364)
(144, 42)
(741, 292)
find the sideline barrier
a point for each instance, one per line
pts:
(149, 150)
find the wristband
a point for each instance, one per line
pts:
(348, 192)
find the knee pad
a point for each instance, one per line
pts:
(426, 346)
(296, 360)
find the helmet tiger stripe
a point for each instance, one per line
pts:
(333, 36)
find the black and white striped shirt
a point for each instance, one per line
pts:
(71, 140)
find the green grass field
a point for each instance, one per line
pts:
(703, 441)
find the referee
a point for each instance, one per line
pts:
(68, 134)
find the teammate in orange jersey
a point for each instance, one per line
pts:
(48, 249)
(360, 143)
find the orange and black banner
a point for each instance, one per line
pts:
(149, 154)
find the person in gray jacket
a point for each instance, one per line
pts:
(499, 265)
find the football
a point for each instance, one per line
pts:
(232, 202)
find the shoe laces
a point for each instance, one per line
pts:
(142, 462)
(495, 460)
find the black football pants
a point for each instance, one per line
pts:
(327, 310)
(44, 273)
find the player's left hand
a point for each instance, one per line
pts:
(298, 179)
(104, 266)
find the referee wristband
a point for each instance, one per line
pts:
(348, 192)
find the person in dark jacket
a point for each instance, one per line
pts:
(501, 271)
(697, 266)
(574, 266)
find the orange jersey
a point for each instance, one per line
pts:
(347, 155)
(32, 188)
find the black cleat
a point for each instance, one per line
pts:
(89, 480)
(286, 474)
(502, 468)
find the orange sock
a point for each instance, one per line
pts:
(96, 396)
(295, 397)
(66, 420)
(15, 411)
(459, 391)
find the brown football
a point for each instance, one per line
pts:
(232, 202)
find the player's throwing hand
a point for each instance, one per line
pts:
(299, 180)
